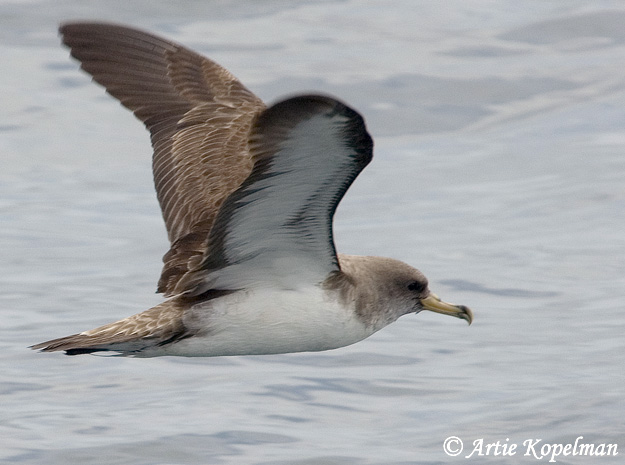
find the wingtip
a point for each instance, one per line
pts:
(67, 26)
(297, 108)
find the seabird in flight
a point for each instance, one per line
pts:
(248, 194)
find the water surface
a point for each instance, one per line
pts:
(498, 171)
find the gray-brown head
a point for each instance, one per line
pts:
(383, 289)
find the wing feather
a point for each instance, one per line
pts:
(277, 227)
(199, 117)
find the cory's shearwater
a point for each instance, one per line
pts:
(248, 194)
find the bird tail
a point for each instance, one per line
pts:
(157, 326)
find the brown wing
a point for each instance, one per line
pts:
(199, 117)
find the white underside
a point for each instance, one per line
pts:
(267, 321)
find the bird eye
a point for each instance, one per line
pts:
(416, 286)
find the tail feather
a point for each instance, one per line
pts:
(72, 343)
(79, 344)
(157, 326)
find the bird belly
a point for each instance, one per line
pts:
(256, 322)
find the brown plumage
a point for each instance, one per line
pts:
(199, 117)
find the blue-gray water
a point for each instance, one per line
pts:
(499, 171)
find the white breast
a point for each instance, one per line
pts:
(268, 321)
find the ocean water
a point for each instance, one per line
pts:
(499, 171)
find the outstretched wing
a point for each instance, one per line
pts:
(277, 227)
(199, 117)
